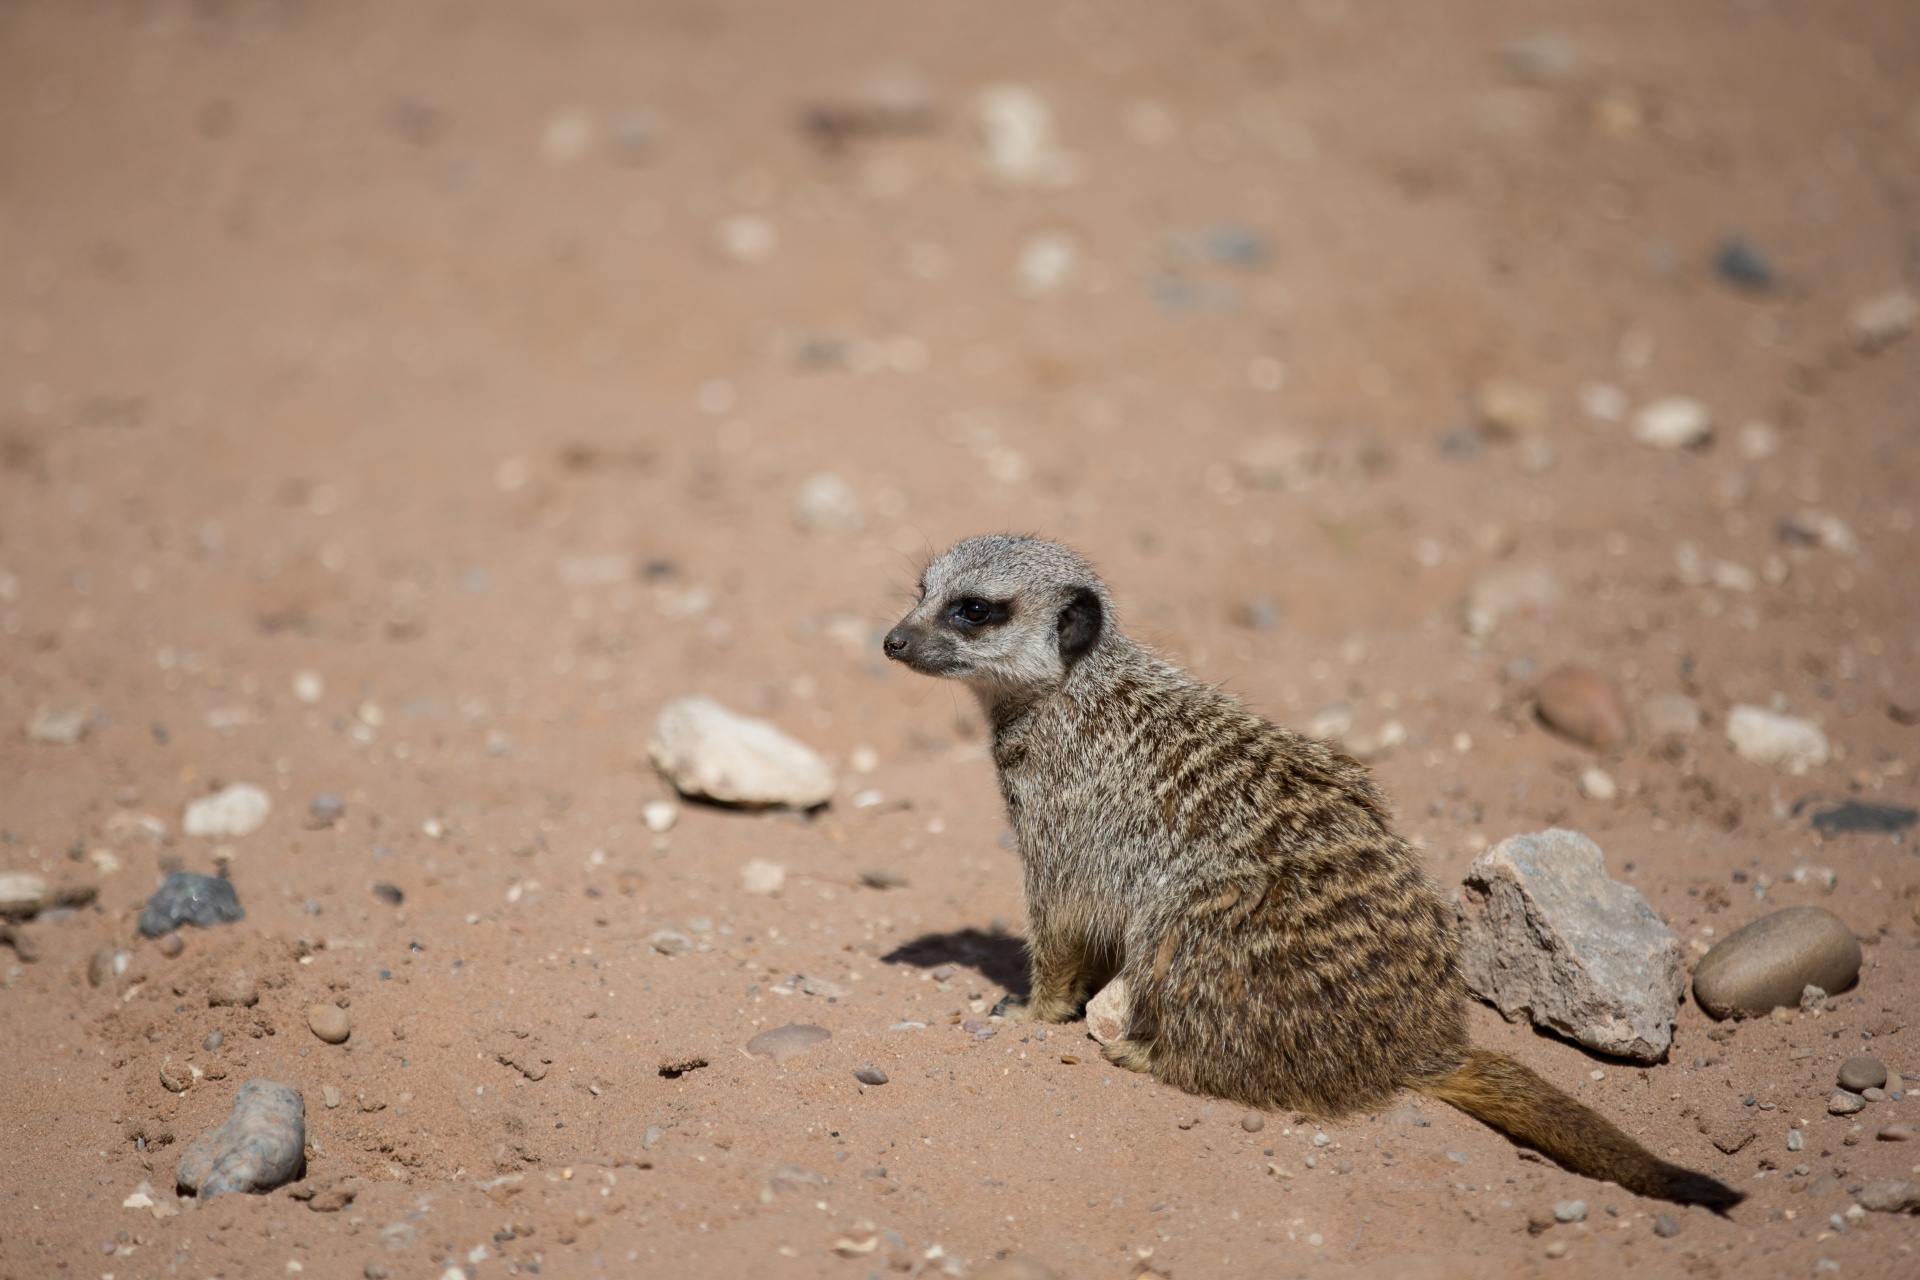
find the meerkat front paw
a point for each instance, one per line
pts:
(1039, 1009)
(1134, 1055)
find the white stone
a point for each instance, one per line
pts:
(660, 815)
(826, 504)
(1048, 264)
(567, 136)
(62, 726)
(745, 238)
(1597, 784)
(1676, 422)
(1547, 935)
(22, 894)
(1665, 715)
(1108, 1011)
(1785, 742)
(763, 877)
(1019, 142)
(309, 686)
(1505, 592)
(708, 751)
(238, 810)
(1603, 402)
(1883, 319)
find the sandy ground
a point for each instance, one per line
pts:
(471, 356)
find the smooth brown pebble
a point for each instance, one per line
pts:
(870, 1075)
(235, 990)
(330, 1022)
(1895, 1133)
(1766, 964)
(1016, 1269)
(1874, 1095)
(1253, 1122)
(1584, 706)
(100, 968)
(171, 944)
(1862, 1072)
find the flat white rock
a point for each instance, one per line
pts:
(707, 751)
(22, 894)
(238, 810)
(1546, 934)
(1785, 742)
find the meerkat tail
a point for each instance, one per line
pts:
(1500, 1092)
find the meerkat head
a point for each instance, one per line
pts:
(1006, 615)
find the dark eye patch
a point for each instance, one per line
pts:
(970, 613)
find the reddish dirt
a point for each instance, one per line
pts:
(315, 359)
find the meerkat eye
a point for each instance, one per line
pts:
(973, 612)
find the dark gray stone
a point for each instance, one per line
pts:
(186, 897)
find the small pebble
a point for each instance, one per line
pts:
(1676, 422)
(186, 897)
(870, 1075)
(1884, 319)
(1570, 1211)
(330, 1022)
(1843, 1103)
(171, 944)
(22, 895)
(1597, 784)
(238, 810)
(326, 809)
(1784, 742)
(61, 726)
(259, 1147)
(236, 990)
(1897, 1132)
(1670, 715)
(1872, 1094)
(1767, 963)
(1665, 1227)
(1585, 706)
(1321, 1140)
(389, 894)
(708, 751)
(762, 877)
(790, 1041)
(1253, 1122)
(1796, 1141)
(660, 815)
(826, 504)
(670, 942)
(1740, 263)
(100, 968)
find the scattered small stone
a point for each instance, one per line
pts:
(1874, 1095)
(1843, 1103)
(1108, 1011)
(236, 989)
(1253, 1122)
(1864, 816)
(390, 894)
(1666, 1227)
(171, 944)
(1767, 963)
(22, 895)
(826, 504)
(1862, 1072)
(1548, 935)
(875, 878)
(60, 726)
(1890, 1196)
(1570, 1211)
(1597, 784)
(1670, 715)
(790, 1041)
(238, 810)
(1815, 528)
(660, 815)
(1585, 706)
(1019, 144)
(1742, 265)
(1048, 264)
(325, 809)
(708, 751)
(1505, 593)
(1507, 410)
(870, 1075)
(670, 942)
(652, 1137)
(1880, 321)
(763, 877)
(1896, 1132)
(186, 897)
(104, 966)
(1812, 998)
(174, 1078)
(1676, 422)
(1796, 1141)
(824, 989)
(213, 1041)
(1786, 742)
(1276, 460)
(330, 1022)
(260, 1146)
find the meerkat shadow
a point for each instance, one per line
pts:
(1000, 958)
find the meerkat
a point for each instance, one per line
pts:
(1282, 946)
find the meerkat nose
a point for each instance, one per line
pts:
(895, 644)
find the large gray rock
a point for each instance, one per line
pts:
(1546, 934)
(708, 751)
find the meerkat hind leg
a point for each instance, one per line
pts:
(1134, 1055)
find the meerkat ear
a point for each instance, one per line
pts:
(1080, 622)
